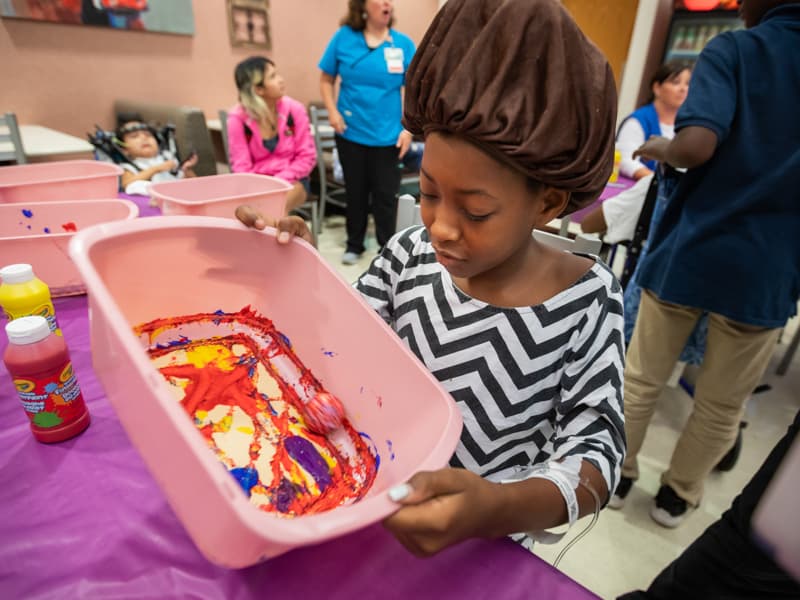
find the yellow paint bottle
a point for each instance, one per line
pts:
(22, 294)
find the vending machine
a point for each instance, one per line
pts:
(691, 29)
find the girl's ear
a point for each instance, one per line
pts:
(551, 204)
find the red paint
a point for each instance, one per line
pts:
(69, 226)
(58, 413)
(212, 385)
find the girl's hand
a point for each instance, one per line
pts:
(337, 121)
(442, 508)
(403, 142)
(288, 227)
(189, 162)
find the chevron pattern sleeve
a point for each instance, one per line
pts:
(533, 383)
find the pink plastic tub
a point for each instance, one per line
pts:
(62, 180)
(141, 270)
(219, 195)
(38, 233)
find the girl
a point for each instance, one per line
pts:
(268, 132)
(528, 340)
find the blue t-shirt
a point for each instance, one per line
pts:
(369, 96)
(729, 240)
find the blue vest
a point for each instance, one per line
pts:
(648, 119)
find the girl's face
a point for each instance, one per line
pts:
(479, 213)
(673, 90)
(379, 12)
(140, 144)
(271, 86)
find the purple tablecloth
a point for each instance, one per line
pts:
(611, 190)
(84, 519)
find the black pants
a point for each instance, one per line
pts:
(370, 173)
(724, 562)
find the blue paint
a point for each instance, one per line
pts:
(391, 451)
(47, 230)
(305, 454)
(328, 352)
(28, 213)
(286, 340)
(373, 448)
(219, 312)
(246, 476)
(181, 341)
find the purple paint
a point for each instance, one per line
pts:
(391, 451)
(286, 492)
(286, 340)
(28, 213)
(305, 454)
(47, 230)
(373, 448)
(29, 226)
(328, 352)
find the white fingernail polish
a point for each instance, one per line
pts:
(399, 492)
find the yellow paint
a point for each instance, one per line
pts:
(246, 430)
(203, 354)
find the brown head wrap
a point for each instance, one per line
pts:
(518, 79)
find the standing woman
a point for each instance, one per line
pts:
(268, 132)
(669, 86)
(371, 59)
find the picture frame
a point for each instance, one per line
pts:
(248, 24)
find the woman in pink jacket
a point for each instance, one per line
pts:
(268, 132)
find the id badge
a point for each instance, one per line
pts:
(394, 59)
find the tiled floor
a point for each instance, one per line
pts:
(626, 549)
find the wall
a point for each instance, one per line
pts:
(609, 25)
(67, 76)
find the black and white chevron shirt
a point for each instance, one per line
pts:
(533, 383)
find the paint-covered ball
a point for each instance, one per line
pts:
(323, 413)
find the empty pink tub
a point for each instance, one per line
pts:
(38, 233)
(219, 195)
(142, 270)
(61, 180)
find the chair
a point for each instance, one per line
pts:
(330, 190)
(223, 129)
(408, 215)
(10, 140)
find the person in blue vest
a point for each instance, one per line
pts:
(370, 58)
(669, 85)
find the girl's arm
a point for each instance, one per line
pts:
(129, 177)
(305, 150)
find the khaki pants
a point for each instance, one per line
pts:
(735, 359)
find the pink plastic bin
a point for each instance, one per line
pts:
(219, 195)
(140, 270)
(61, 180)
(24, 236)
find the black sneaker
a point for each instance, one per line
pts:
(617, 500)
(669, 509)
(730, 459)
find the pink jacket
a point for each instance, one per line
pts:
(295, 154)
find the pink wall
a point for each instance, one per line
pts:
(67, 77)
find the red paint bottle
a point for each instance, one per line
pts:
(38, 362)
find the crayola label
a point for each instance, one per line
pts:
(52, 400)
(43, 310)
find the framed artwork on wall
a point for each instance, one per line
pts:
(248, 23)
(164, 16)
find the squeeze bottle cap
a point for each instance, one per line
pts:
(27, 330)
(19, 273)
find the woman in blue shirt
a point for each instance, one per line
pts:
(371, 59)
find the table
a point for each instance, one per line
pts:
(42, 142)
(84, 519)
(568, 224)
